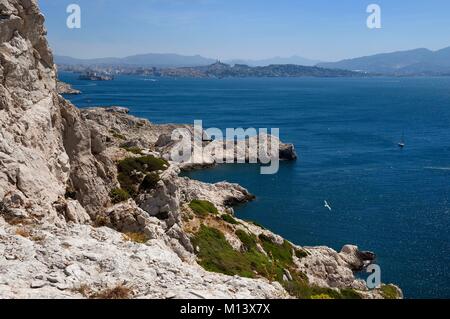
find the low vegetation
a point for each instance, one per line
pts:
(389, 292)
(217, 255)
(143, 164)
(118, 292)
(137, 175)
(281, 253)
(203, 208)
(229, 219)
(119, 195)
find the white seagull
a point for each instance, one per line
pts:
(327, 206)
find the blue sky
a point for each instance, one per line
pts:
(319, 29)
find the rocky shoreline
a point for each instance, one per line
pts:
(91, 206)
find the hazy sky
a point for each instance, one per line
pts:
(225, 29)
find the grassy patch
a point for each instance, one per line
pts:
(217, 255)
(229, 219)
(119, 195)
(203, 208)
(281, 253)
(389, 292)
(300, 288)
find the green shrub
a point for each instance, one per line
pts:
(150, 181)
(229, 219)
(131, 172)
(119, 195)
(203, 208)
(389, 292)
(144, 164)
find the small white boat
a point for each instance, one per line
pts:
(402, 144)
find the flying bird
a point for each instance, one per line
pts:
(328, 206)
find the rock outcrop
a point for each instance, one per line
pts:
(78, 261)
(73, 224)
(34, 166)
(65, 88)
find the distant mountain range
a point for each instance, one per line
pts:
(176, 60)
(412, 62)
(158, 60)
(401, 63)
(298, 60)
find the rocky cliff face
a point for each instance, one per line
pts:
(45, 148)
(33, 161)
(89, 207)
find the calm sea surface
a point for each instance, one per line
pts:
(390, 201)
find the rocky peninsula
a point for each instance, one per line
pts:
(92, 207)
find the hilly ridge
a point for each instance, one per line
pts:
(411, 62)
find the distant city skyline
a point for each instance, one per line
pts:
(323, 30)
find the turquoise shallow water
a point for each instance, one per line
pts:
(391, 201)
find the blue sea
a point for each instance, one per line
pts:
(391, 201)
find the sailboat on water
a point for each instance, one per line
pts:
(402, 144)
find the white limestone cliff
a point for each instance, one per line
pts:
(60, 234)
